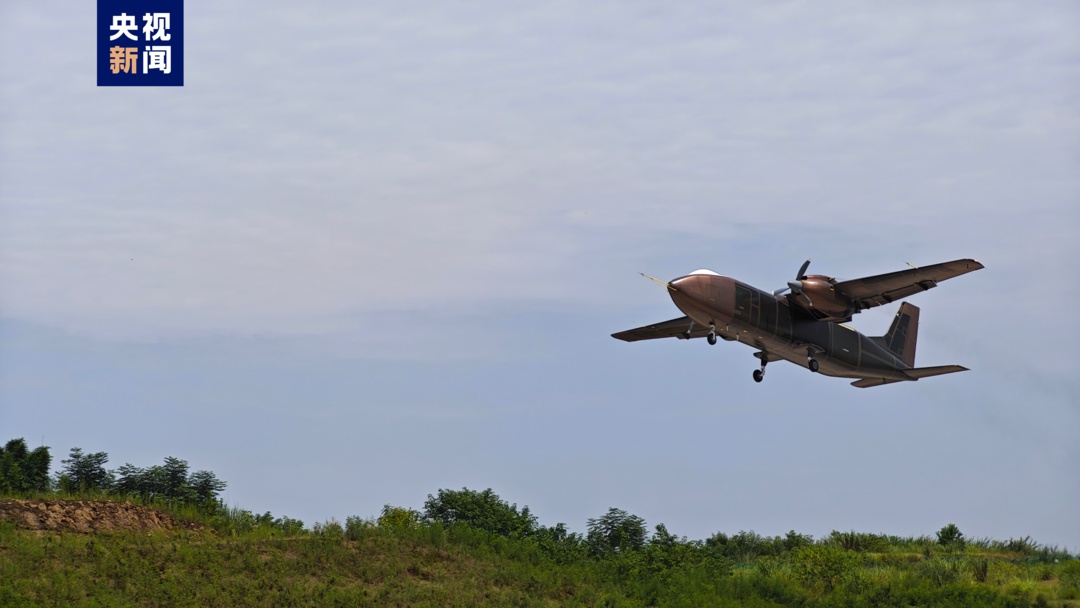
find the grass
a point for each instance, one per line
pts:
(242, 559)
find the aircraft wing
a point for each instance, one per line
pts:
(674, 328)
(886, 288)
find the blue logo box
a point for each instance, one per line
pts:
(140, 43)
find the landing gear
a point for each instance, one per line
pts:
(811, 362)
(686, 334)
(759, 374)
(711, 337)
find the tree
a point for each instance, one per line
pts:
(24, 470)
(205, 486)
(559, 544)
(174, 478)
(615, 532)
(950, 535)
(169, 481)
(129, 479)
(481, 510)
(398, 518)
(85, 472)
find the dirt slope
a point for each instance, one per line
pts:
(87, 516)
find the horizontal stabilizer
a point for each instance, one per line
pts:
(926, 372)
(868, 382)
(913, 373)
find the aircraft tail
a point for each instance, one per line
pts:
(912, 374)
(926, 372)
(904, 331)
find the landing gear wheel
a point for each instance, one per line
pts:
(711, 338)
(758, 375)
(813, 365)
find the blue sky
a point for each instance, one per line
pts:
(370, 252)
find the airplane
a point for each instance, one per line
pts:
(806, 327)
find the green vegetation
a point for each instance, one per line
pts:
(471, 547)
(23, 470)
(86, 473)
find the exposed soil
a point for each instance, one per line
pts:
(88, 516)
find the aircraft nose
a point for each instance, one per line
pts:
(691, 286)
(704, 295)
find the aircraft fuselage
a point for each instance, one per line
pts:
(737, 311)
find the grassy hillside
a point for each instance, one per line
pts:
(232, 558)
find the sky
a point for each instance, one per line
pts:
(370, 251)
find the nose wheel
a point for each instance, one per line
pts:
(711, 337)
(759, 374)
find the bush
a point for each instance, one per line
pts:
(481, 510)
(330, 530)
(23, 470)
(1069, 575)
(746, 546)
(398, 518)
(822, 566)
(941, 572)
(950, 536)
(980, 569)
(616, 531)
(356, 528)
(859, 541)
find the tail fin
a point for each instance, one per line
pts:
(904, 331)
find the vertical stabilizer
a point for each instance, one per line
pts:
(903, 332)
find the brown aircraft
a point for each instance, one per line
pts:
(806, 326)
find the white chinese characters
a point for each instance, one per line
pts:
(157, 58)
(122, 24)
(154, 57)
(157, 26)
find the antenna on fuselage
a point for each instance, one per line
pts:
(657, 281)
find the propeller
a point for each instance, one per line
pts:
(795, 287)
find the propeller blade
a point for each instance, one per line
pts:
(802, 271)
(796, 286)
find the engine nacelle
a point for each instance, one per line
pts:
(820, 299)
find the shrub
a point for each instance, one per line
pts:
(355, 527)
(398, 518)
(1069, 575)
(822, 565)
(747, 545)
(331, 530)
(950, 536)
(1021, 545)
(793, 540)
(980, 568)
(481, 510)
(859, 541)
(941, 572)
(616, 531)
